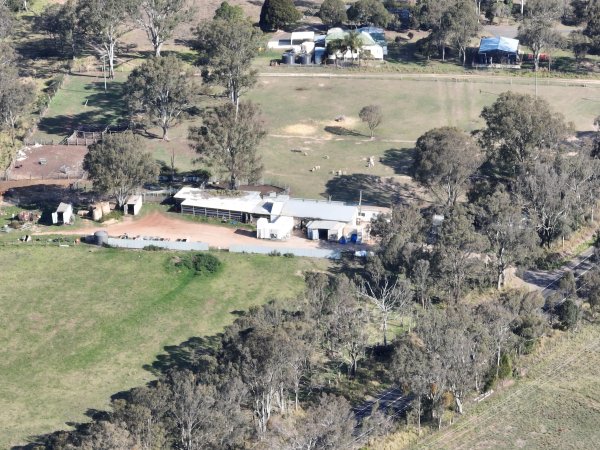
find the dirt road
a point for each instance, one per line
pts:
(166, 226)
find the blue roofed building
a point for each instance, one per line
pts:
(498, 51)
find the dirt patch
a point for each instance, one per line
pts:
(49, 161)
(169, 226)
(301, 129)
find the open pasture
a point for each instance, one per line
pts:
(79, 324)
(300, 113)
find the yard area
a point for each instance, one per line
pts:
(73, 337)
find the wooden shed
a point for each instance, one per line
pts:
(63, 214)
(133, 205)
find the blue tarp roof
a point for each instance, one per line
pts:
(502, 44)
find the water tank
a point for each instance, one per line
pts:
(289, 57)
(305, 58)
(101, 238)
(319, 55)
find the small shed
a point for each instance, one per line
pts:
(325, 230)
(100, 209)
(63, 214)
(133, 205)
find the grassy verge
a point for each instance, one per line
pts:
(79, 323)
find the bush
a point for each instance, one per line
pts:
(153, 248)
(506, 368)
(568, 314)
(202, 264)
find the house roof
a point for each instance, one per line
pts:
(365, 38)
(64, 207)
(502, 44)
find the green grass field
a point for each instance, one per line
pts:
(78, 324)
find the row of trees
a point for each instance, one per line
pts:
(518, 160)
(16, 95)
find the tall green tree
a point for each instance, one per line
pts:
(369, 12)
(16, 97)
(444, 161)
(277, 14)
(537, 30)
(61, 22)
(333, 12)
(104, 23)
(118, 165)
(6, 21)
(228, 141)
(462, 22)
(511, 239)
(162, 89)
(232, 13)
(159, 18)
(226, 49)
(519, 129)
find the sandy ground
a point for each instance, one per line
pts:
(62, 161)
(157, 224)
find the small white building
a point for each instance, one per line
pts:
(133, 205)
(63, 214)
(280, 229)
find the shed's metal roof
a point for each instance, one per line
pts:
(64, 207)
(502, 44)
(319, 209)
(324, 225)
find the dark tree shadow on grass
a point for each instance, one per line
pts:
(341, 131)
(194, 354)
(401, 160)
(375, 190)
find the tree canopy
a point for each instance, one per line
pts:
(228, 12)
(118, 165)
(277, 14)
(369, 12)
(158, 18)
(333, 12)
(228, 141)
(226, 50)
(519, 129)
(104, 23)
(445, 158)
(163, 89)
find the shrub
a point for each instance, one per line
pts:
(202, 264)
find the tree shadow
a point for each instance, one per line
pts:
(193, 354)
(342, 131)
(401, 160)
(375, 190)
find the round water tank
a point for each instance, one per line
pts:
(101, 237)
(305, 58)
(288, 58)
